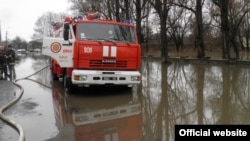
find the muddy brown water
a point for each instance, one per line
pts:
(169, 94)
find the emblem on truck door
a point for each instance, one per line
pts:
(55, 47)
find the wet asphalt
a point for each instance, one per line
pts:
(7, 91)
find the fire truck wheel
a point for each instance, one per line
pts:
(54, 75)
(70, 88)
(65, 82)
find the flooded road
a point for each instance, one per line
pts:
(180, 93)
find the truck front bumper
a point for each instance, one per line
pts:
(99, 77)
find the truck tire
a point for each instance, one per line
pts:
(69, 87)
(54, 75)
(55, 78)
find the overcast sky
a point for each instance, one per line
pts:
(18, 17)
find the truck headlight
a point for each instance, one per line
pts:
(83, 77)
(135, 78)
(80, 77)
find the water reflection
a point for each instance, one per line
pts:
(186, 93)
(101, 114)
(35, 63)
(180, 93)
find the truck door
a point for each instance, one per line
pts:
(56, 47)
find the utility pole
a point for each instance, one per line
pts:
(6, 38)
(0, 33)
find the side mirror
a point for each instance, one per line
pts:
(66, 31)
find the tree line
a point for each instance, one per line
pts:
(174, 20)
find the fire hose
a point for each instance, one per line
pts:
(12, 123)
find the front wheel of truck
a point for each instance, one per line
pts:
(69, 87)
(54, 75)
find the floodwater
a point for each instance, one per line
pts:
(179, 93)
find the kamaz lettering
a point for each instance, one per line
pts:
(109, 61)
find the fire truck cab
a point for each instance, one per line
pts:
(88, 50)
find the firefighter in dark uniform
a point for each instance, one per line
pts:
(2, 62)
(9, 56)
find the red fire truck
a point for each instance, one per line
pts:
(89, 50)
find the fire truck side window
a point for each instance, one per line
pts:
(57, 29)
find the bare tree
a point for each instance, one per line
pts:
(179, 22)
(231, 18)
(146, 30)
(237, 12)
(162, 8)
(140, 7)
(244, 33)
(39, 28)
(196, 8)
(41, 21)
(223, 5)
(199, 35)
(81, 6)
(19, 43)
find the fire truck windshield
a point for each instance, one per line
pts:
(97, 31)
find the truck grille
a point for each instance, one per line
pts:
(101, 64)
